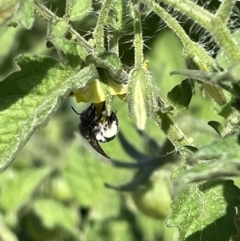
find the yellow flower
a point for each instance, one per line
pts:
(96, 94)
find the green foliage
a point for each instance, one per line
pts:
(30, 179)
(212, 221)
(181, 96)
(77, 10)
(33, 95)
(59, 188)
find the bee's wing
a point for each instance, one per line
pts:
(95, 145)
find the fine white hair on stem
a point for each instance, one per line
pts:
(223, 0)
(204, 38)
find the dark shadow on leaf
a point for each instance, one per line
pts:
(132, 165)
(19, 84)
(146, 165)
(150, 142)
(142, 176)
(222, 228)
(130, 149)
(141, 179)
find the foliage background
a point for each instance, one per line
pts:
(54, 190)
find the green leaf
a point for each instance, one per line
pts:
(76, 10)
(221, 57)
(8, 9)
(6, 233)
(33, 95)
(25, 15)
(18, 188)
(180, 96)
(117, 22)
(162, 61)
(8, 38)
(84, 175)
(63, 216)
(66, 48)
(217, 160)
(140, 96)
(111, 229)
(137, 105)
(218, 127)
(206, 211)
(225, 148)
(108, 204)
(103, 59)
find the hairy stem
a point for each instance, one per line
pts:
(224, 11)
(138, 40)
(220, 34)
(47, 15)
(44, 12)
(98, 32)
(174, 134)
(193, 49)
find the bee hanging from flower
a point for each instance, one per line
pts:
(97, 127)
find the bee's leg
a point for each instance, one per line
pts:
(112, 118)
(88, 115)
(75, 111)
(100, 112)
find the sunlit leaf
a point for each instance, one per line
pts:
(66, 48)
(25, 15)
(222, 58)
(110, 61)
(19, 188)
(205, 211)
(77, 10)
(217, 160)
(8, 9)
(33, 95)
(108, 204)
(63, 216)
(140, 96)
(111, 229)
(6, 233)
(84, 175)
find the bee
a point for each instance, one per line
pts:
(96, 127)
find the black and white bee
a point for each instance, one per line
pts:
(98, 127)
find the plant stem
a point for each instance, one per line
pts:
(47, 15)
(98, 32)
(211, 23)
(191, 48)
(191, 9)
(224, 11)
(81, 40)
(44, 12)
(113, 43)
(192, 51)
(138, 40)
(174, 134)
